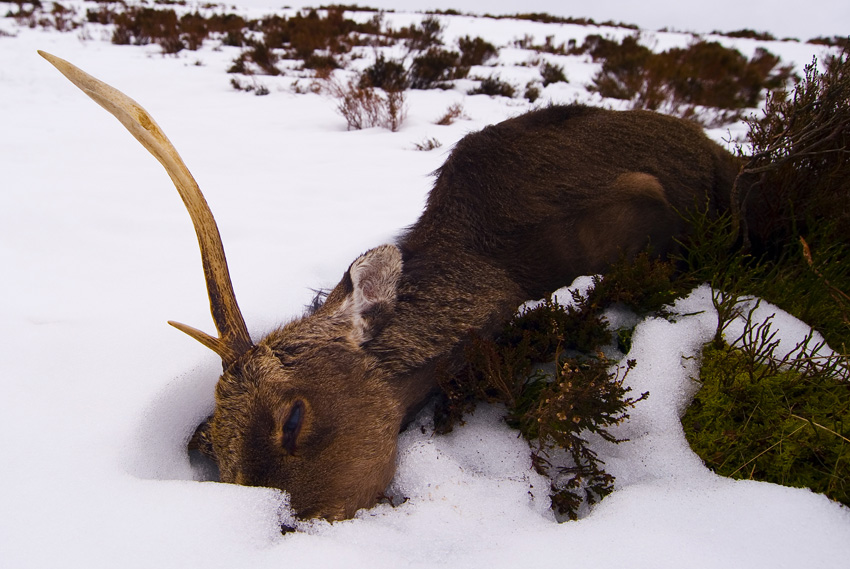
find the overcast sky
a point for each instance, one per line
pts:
(783, 18)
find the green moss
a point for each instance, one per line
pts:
(754, 421)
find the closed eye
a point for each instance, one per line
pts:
(292, 426)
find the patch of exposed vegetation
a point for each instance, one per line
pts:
(552, 73)
(842, 42)
(761, 414)
(555, 409)
(747, 34)
(681, 81)
(796, 182)
(705, 81)
(494, 87)
(363, 106)
(550, 19)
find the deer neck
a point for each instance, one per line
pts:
(445, 298)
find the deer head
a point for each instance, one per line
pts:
(305, 409)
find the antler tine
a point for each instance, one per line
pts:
(233, 339)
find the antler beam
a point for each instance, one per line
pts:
(233, 340)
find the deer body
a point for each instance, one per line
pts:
(517, 211)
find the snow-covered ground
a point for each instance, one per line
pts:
(98, 395)
(782, 18)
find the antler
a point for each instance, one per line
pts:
(233, 340)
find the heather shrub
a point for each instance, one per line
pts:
(193, 30)
(261, 56)
(550, 19)
(685, 81)
(323, 65)
(428, 144)
(623, 66)
(475, 51)
(311, 37)
(553, 407)
(453, 112)
(796, 181)
(842, 42)
(747, 33)
(548, 46)
(552, 73)
(366, 107)
(434, 68)
(711, 75)
(313, 32)
(762, 414)
(385, 74)
(252, 86)
(141, 26)
(532, 92)
(428, 34)
(229, 27)
(494, 87)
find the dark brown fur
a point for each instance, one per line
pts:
(518, 210)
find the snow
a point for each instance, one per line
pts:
(99, 395)
(782, 18)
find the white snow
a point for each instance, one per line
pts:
(99, 395)
(782, 18)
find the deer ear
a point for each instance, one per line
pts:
(374, 279)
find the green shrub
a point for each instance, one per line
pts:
(760, 415)
(785, 420)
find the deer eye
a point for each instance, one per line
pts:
(292, 426)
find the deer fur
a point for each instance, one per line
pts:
(518, 210)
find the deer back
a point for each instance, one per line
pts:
(563, 191)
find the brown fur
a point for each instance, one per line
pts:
(518, 210)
